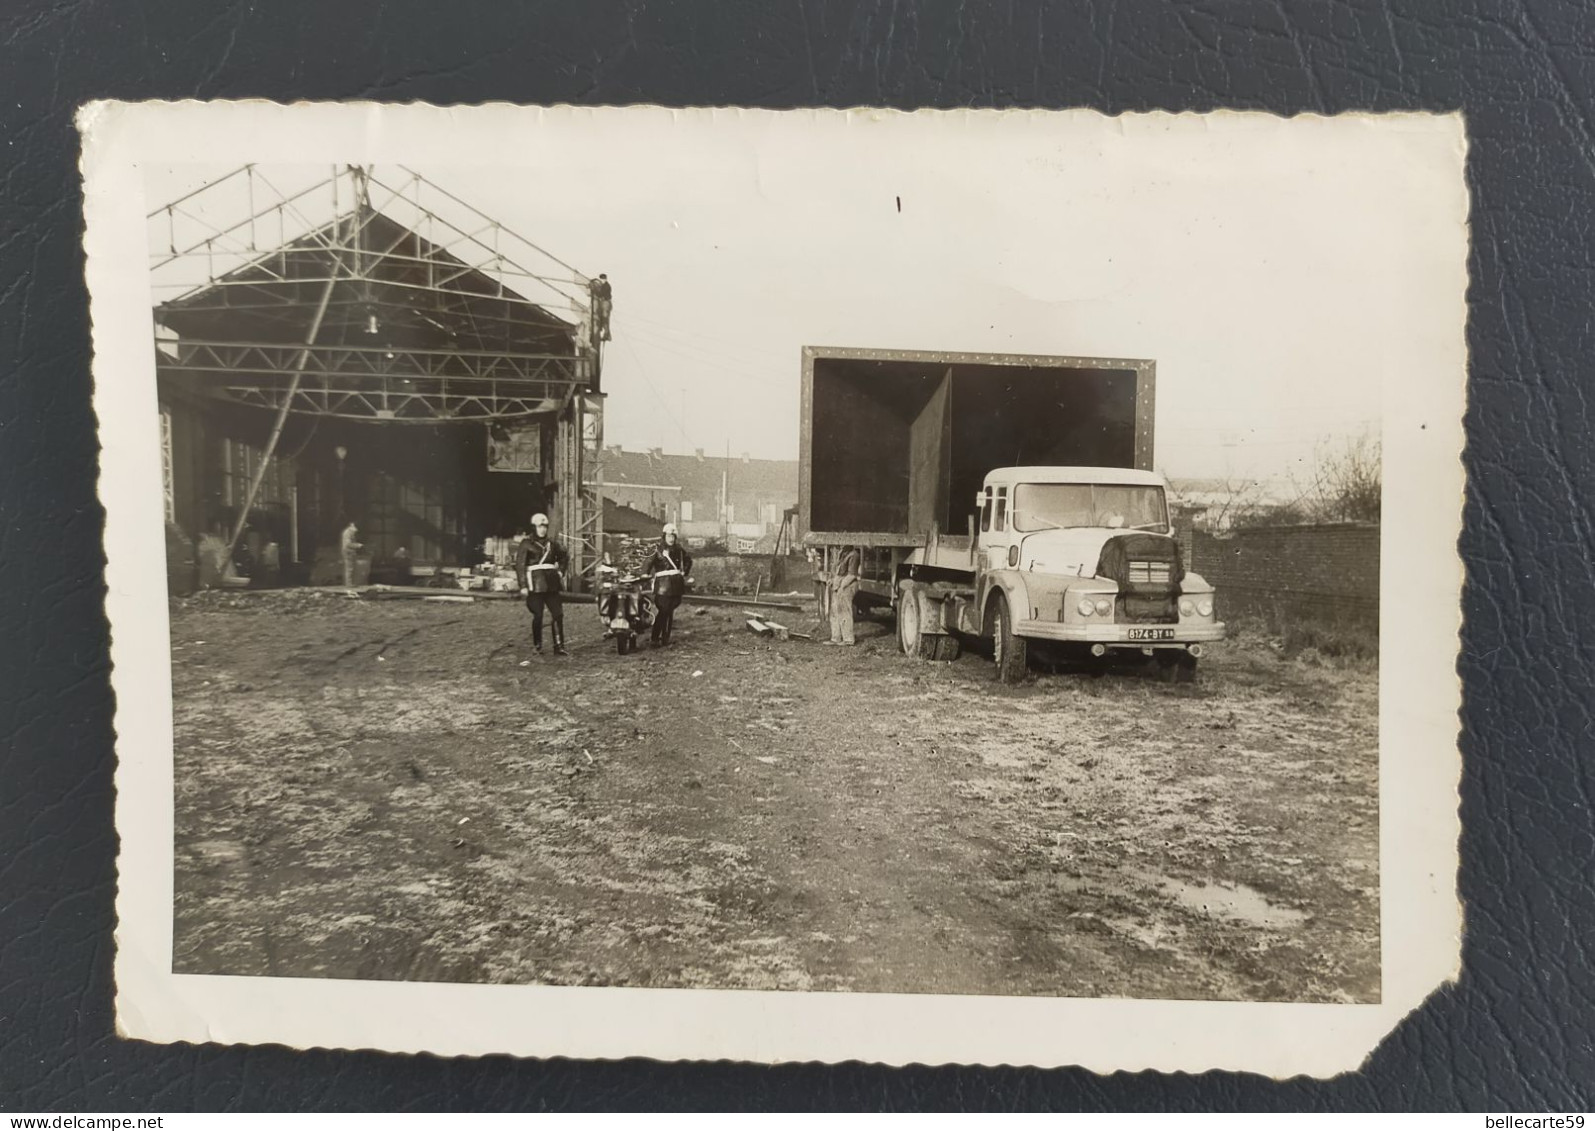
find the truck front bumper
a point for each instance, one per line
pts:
(1135, 636)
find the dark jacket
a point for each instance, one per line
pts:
(666, 559)
(847, 568)
(532, 561)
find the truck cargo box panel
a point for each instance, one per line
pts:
(897, 442)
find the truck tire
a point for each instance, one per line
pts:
(915, 642)
(1010, 653)
(908, 620)
(947, 649)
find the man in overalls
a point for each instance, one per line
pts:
(538, 565)
(670, 566)
(843, 584)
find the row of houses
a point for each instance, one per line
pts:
(737, 499)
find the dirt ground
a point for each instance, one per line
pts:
(402, 790)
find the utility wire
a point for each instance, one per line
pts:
(746, 372)
(643, 373)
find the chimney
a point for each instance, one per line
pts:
(617, 449)
(656, 453)
(745, 457)
(700, 455)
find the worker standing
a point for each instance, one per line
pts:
(603, 305)
(844, 587)
(538, 565)
(350, 549)
(669, 566)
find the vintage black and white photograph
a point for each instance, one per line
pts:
(956, 558)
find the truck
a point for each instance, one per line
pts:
(1004, 499)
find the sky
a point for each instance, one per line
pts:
(1265, 266)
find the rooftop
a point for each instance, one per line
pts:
(400, 325)
(699, 475)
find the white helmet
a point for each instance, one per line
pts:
(539, 520)
(670, 528)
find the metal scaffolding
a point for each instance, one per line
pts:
(378, 296)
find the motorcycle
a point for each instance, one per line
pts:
(625, 606)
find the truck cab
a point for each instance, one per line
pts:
(1064, 558)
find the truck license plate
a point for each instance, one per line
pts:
(1151, 634)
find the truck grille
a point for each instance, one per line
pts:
(1143, 572)
(1146, 610)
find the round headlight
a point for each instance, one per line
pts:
(1085, 606)
(1104, 606)
(1187, 608)
(1205, 608)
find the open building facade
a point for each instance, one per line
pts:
(364, 349)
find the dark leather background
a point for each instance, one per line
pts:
(1514, 1035)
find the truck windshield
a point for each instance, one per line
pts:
(1058, 506)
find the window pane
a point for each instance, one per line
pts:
(1051, 506)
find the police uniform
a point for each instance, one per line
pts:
(669, 566)
(538, 566)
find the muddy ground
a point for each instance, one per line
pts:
(391, 790)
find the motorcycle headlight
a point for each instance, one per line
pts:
(1086, 606)
(1187, 608)
(1205, 607)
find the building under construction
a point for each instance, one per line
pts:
(367, 348)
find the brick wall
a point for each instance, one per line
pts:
(1315, 572)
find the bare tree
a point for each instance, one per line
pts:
(1347, 483)
(1238, 501)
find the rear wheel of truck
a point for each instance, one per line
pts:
(1010, 653)
(908, 620)
(947, 648)
(911, 616)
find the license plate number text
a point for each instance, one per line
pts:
(1151, 634)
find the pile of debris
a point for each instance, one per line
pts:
(488, 578)
(764, 626)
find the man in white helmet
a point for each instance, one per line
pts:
(670, 566)
(538, 565)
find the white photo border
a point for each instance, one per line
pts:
(1419, 689)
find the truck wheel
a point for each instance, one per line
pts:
(915, 641)
(1011, 653)
(947, 649)
(908, 620)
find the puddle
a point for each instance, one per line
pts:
(1235, 902)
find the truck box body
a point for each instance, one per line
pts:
(896, 443)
